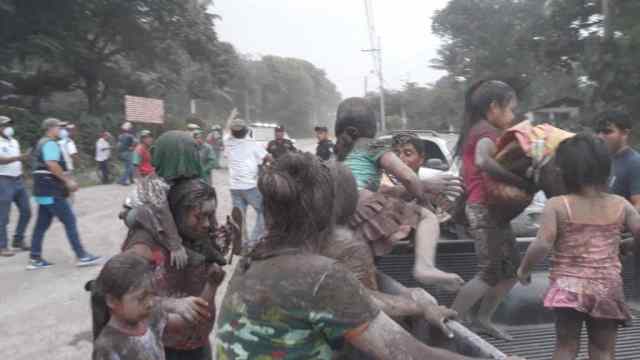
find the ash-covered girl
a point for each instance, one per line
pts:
(582, 230)
(488, 112)
(136, 322)
(383, 217)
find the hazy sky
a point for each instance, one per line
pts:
(332, 33)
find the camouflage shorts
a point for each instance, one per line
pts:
(495, 245)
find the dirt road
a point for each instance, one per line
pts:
(44, 314)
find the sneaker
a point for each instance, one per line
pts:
(6, 253)
(35, 264)
(88, 260)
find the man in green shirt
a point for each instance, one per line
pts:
(207, 155)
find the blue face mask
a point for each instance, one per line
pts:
(64, 134)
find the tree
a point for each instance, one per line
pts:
(107, 46)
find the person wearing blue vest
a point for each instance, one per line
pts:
(51, 187)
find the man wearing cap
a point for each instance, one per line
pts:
(280, 145)
(217, 144)
(142, 155)
(324, 150)
(207, 157)
(12, 188)
(126, 145)
(51, 187)
(245, 157)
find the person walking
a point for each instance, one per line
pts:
(324, 150)
(207, 156)
(51, 187)
(280, 145)
(12, 189)
(126, 145)
(68, 146)
(142, 155)
(245, 157)
(103, 154)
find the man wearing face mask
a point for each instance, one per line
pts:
(12, 188)
(51, 188)
(68, 146)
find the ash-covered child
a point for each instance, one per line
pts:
(582, 231)
(136, 321)
(384, 216)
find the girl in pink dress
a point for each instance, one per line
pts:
(582, 231)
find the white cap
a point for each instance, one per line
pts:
(126, 126)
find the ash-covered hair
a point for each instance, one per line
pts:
(298, 192)
(478, 100)
(121, 274)
(407, 138)
(355, 119)
(583, 160)
(189, 194)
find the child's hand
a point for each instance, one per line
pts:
(179, 258)
(525, 279)
(446, 184)
(193, 309)
(216, 275)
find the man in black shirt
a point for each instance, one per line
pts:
(280, 145)
(325, 146)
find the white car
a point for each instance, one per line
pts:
(439, 160)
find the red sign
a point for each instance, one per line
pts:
(145, 110)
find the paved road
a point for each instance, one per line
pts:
(44, 314)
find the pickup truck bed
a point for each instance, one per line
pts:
(531, 341)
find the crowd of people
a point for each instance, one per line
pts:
(307, 285)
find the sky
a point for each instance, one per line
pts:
(331, 34)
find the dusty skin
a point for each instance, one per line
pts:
(49, 309)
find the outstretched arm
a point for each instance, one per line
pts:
(543, 244)
(385, 339)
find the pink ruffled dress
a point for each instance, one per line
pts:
(586, 269)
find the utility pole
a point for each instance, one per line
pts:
(607, 14)
(376, 54)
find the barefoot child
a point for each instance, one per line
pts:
(381, 218)
(582, 231)
(489, 111)
(136, 322)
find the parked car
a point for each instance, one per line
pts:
(439, 160)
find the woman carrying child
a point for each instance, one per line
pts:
(383, 217)
(582, 231)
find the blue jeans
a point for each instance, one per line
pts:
(242, 199)
(60, 209)
(127, 162)
(12, 190)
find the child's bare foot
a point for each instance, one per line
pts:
(491, 329)
(448, 281)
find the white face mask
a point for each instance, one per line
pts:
(64, 134)
(8, 132)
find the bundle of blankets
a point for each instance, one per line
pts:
(516, 152)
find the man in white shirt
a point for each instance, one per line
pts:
(68, 146)
(12, 189)
(103, 154)
(245, 157)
